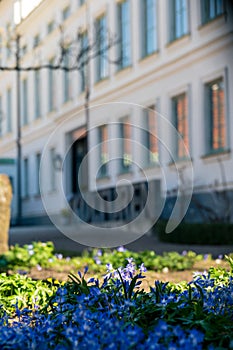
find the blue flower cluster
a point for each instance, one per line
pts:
(88, 330)
(116, 314)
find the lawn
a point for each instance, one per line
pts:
(114, 299)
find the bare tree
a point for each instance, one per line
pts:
(79, 58)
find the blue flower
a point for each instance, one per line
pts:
(97, 261)
(121, 249)
(109, 267)
(142, 268)
(99, 252)
(59, 256)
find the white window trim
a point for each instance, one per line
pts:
(187, 90)
(208, 78)
(98, 17)
(171, 40)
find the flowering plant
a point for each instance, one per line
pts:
(116, 313)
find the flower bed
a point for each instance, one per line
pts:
(41, 255)
(116, 313)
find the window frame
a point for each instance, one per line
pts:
(204, 7)
(125, 61)
(102, 68)
(144, 4)
(184, 29)
(210, 149)
(126, 158)
(50, 26)
(38, 162)
(103, 157)
(51, 84)
(53, 183)
(36, 41)
(181, 152)
(148, 136)
(1, 116)
(65, 13)
(66, 80)
(25, 101)
(9, 109)
(26, 177)
(1, 50)
(8, 47)
(37, 96)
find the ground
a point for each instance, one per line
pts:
(151, 276)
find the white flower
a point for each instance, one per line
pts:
(39, 268)
(218, 261)
(165, 270)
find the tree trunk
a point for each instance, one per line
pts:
(5, 211)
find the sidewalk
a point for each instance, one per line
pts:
(28, 234)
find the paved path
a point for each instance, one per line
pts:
(25, 235)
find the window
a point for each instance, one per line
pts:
(216, 119)
(211, 9)
(180, 120)
(51, 86)
(179, 19)
(150, 138)
(50, 27)
(103, 150)
(102, 48)
(26, 177)
(25, 102)
(38, 159)
(9, 110)
(124, 33)
(125, 140)
(24, 50)
(149, 27)
(8, 30)
(36, 40)
(37, 94)
(52, 170)
(83, 60)
(66, 13)
(66, 80)
(1, 116)
(1, 49)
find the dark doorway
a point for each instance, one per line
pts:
(79, 175)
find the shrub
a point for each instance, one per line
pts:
(197, 233)
(42, 255)
(116, 314)
(30, 255)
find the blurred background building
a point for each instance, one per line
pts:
(174, 57)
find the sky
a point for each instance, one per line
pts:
(23, 7)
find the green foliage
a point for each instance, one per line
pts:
(42, 255)
(198, 312)
(24, 292)
(79, 284)
(171, 260)
(37, 253)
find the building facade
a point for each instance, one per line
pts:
(153, 104)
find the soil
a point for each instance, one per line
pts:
(151, 276)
